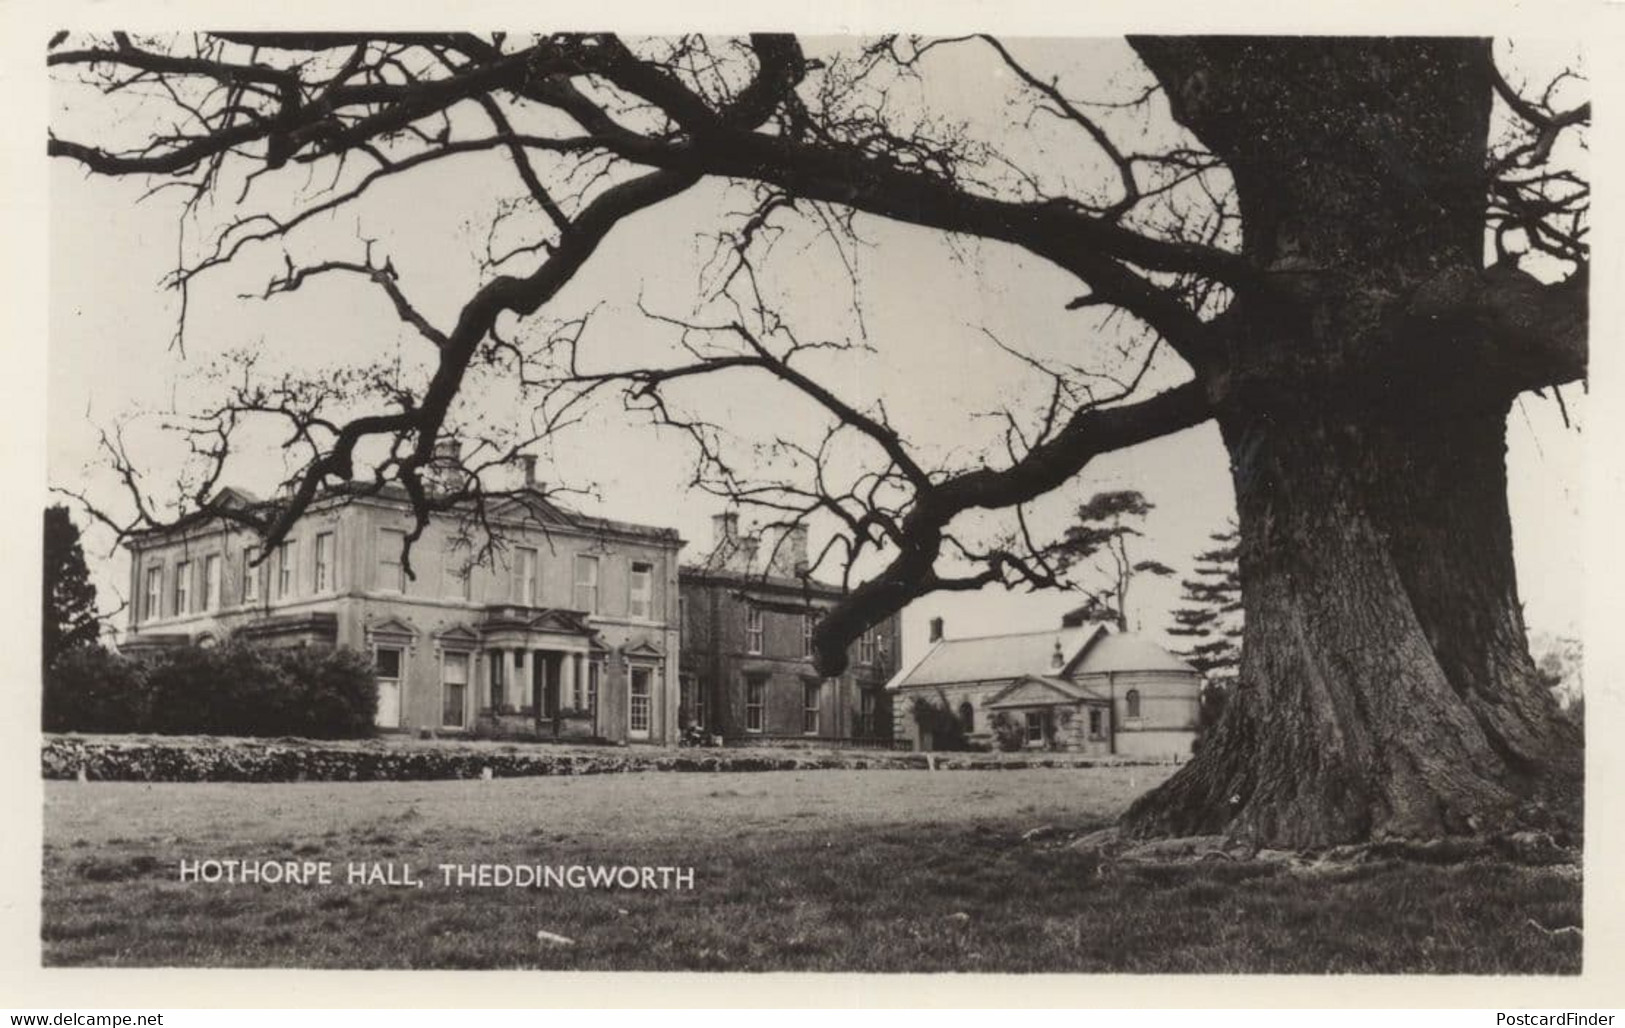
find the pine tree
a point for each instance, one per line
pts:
(1104, 526)
(69, 598)
(1211, 619)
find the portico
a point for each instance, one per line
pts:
(541, 664)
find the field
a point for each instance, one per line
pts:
(817, 871)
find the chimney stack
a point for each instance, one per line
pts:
(936, 630)
(724, 530)
(445, 471)
(788, 558)
(748, 545)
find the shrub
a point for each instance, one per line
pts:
(1010, 733)
(89, 689)
(233, 689)
(938, 720)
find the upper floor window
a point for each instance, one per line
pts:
(287, 558)
(525, 576)
(155, 593)
(457, 577)
(682, 619)
(643, 588)
(807, 622)
(391, 572)
(866, 648)
(251, 575)
(1131, 703)
(586, 592)
(211, 582)
(753, 630)
(183, 587)
(324, 562)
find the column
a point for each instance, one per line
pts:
(537, 686)
(567, 680)
(510, 676)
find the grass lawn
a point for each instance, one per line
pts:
(816, 871)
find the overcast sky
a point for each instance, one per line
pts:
(927, 308)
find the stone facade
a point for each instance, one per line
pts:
(746, 659)
(571, 631)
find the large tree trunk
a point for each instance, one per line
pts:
(1386, 688)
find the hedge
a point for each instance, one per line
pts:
(233, 689)
(293, 760)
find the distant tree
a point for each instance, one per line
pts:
(1211, 618)
(69, 598)
(1105, 524)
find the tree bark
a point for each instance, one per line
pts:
(1386, 688)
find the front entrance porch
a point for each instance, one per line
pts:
(542, 671)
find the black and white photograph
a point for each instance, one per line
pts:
(870, 502)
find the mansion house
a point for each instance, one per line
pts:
(572, 632)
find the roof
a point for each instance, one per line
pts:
(529, 505)
(1085, 650)
(996, 657)
(753, 585)
(1123, 651)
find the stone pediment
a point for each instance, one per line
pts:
(645, 649)
(460, 635)
(533, 508)
(1034, 691)
(394, 627)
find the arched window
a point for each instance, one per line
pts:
(967, 717)
(1132, 702)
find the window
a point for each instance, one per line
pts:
(812, 695)
(453, 689)
(455, 582)
(386, 662)
(1131, 701)
(1035, 727)
(211, 582)
(755, 703)
(595, 671)
(525, 581)
(866, 714)
(638, 711)
(183, 587)
(807, 635)
(866, 648)
(967, 717)
(1097, 723)
(251, 575)
(286, 556)
(155, 593)
(325, 579)
(391, 573)
(587, 584)
(643, 589)
(753, 630)
(682, 620)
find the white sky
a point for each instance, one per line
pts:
(925, 305)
